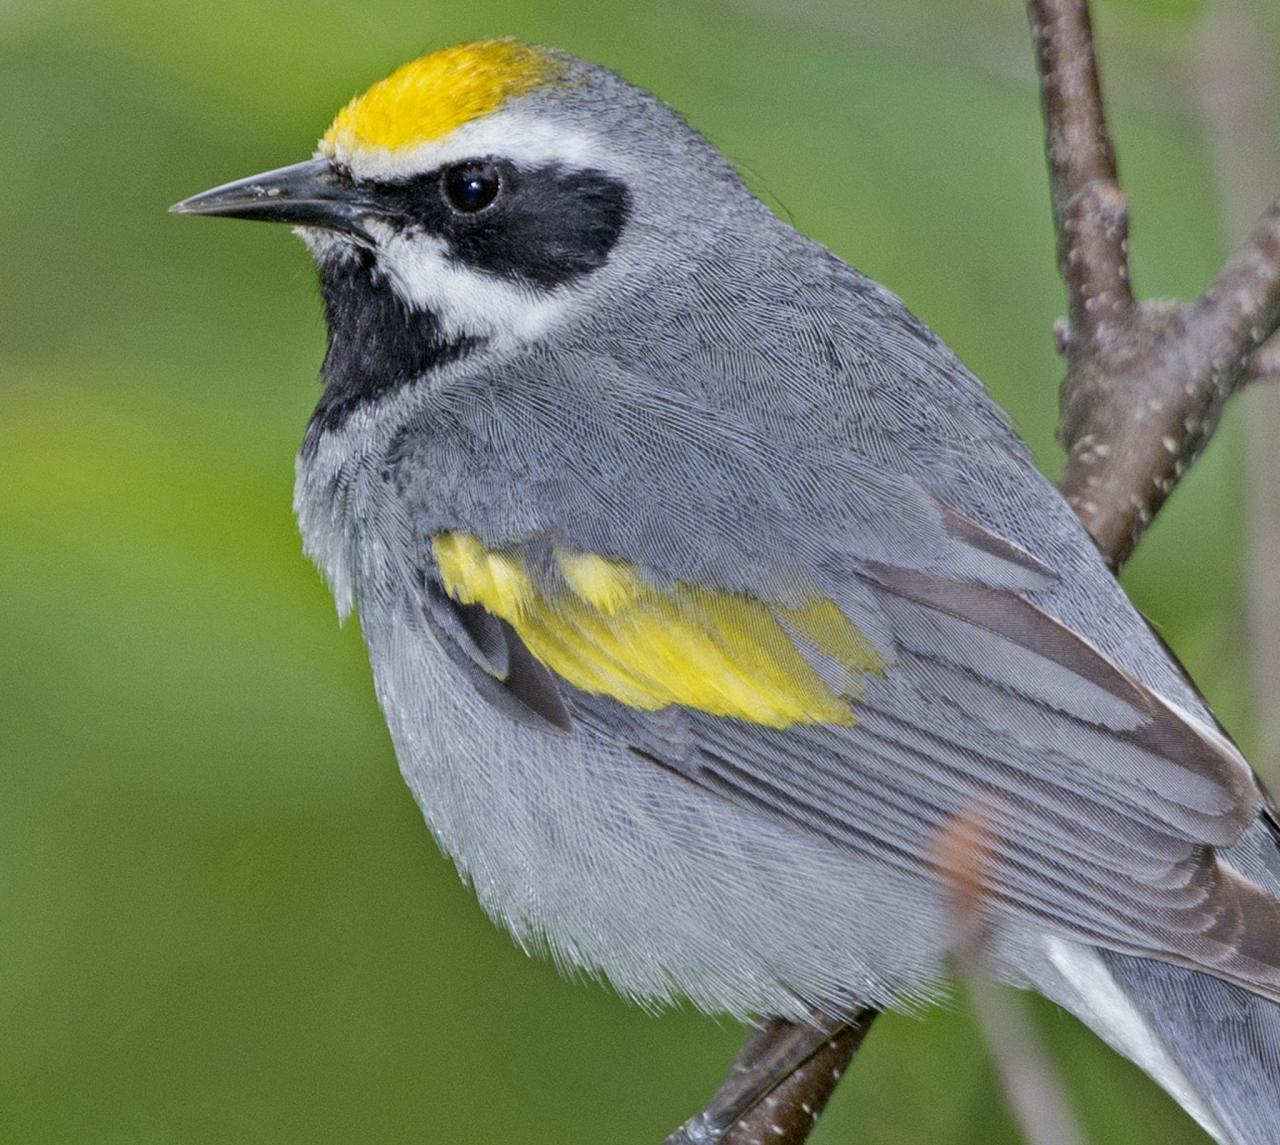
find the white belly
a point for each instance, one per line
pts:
(623, 867)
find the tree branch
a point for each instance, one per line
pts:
(1090, 211)
(1145, 387)
(788, 1115)
(1146, 382)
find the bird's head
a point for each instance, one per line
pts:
(489, 189)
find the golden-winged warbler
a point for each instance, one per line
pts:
(704, 587)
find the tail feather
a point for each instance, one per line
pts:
(1223, 1040)
(1214, 1045)
(1080, 979)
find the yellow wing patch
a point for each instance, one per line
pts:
(612, 632)
(426, 99)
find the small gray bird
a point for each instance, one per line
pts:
(704, 588)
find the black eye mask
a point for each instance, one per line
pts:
(543, 226)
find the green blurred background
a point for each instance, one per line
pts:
(221, 918)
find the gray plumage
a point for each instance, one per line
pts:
(722, 402)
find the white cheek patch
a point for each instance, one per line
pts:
(524, 139)
(467, 302)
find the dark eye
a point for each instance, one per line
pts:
(471, 187)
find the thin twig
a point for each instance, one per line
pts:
(1264, 366)
(1240, 310)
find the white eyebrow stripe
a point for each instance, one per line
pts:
(524, 139)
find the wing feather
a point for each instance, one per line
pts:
(725, 555)
(1105, 801)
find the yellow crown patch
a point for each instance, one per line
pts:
(426, 99)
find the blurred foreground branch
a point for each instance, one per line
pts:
(1028, 1078)
(1145, 387)
(1237, 72)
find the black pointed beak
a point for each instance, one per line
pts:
(311, 194)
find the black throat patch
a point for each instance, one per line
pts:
(377, 343)
(548, 227)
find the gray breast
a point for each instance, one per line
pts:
(580, 846)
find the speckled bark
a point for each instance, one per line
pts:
(1146, 381)
(787, 1116)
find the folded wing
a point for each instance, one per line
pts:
(875, 720)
